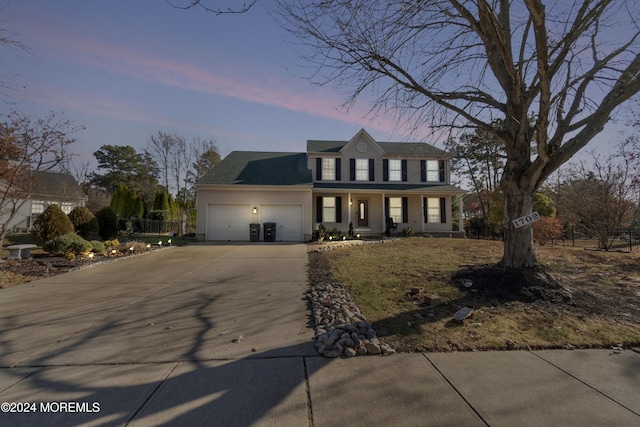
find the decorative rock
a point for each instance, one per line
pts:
(340, 328)
(349, 352)
(332, 352)
(372, 348)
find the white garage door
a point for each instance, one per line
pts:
(288, 219)
(228, 222)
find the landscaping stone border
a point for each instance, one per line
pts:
(340, 328)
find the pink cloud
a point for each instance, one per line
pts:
(294, 94)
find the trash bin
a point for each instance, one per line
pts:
(269, 231)
(254, 230)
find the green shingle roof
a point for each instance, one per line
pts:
(56, 185)
(260, 168)
(406, 148)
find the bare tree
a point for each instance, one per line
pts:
(598, 197)
(213, 6)
(162, 148)
(456, 63)
(28, 145)
(8, 40)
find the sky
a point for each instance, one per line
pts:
(128, 69)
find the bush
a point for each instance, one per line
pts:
(107, 223)
(546, 229)
(138, 247)
(69, 256)
(50, 224)
(97, 246)
(84, 221)
(111, 244)
(67, 243)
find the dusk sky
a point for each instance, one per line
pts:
(128, 69)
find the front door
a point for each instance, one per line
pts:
(363, 213)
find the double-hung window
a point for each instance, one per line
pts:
(328, 169)
(433, 170)
(37, 207)
(395, 209)
(329, 209)
(433, 210)
(362, 169)
(395, 170)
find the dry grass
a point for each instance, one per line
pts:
(604, 310)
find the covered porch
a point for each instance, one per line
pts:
(369, 210)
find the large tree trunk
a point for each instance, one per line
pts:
(518, 242)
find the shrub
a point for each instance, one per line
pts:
(111, 244)
(107, 223)
(69, 256)
(408, 232)
(68, 243)
(97, 246)
(50, 224)
(138, 247)
(84, 221)
(546, 229)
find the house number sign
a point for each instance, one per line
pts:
(527, 219)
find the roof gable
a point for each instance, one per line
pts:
(362, 142)
(260, 168)
(413, 149)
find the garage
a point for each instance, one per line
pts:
(288, 219)
(228, 222)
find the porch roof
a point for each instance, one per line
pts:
(370, 187)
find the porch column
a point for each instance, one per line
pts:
(384, 219)
(422, 213)
(460, 219)
(349, 208)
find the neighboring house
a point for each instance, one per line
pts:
(48, 188)
(361, 181)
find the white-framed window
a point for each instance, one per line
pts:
(329, 209)
(362, 169)
(67, 207)
(433, 170)
(433, 210)
(395, 208)
(328, 169)
(37, 207)
(395, 170)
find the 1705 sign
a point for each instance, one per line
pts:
(527, 219)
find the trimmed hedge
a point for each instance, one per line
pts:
(52, 223)
(69, 243)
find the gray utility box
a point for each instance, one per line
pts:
(269, 231)
(254, 230)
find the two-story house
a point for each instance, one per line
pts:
(360, 182)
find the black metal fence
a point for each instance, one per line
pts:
(154, 226)
(626, 240)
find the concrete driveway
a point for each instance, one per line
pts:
(216, 335)
(114, 332)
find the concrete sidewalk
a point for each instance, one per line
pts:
(216, 335)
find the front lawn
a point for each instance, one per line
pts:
(603, 309)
